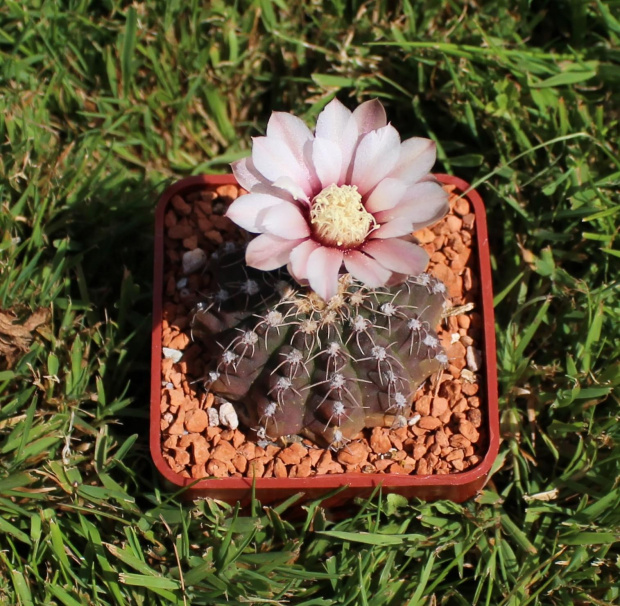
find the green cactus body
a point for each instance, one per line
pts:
(297, 365)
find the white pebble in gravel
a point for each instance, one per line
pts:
(172, 354)
(474, 359)
(414, 419)
(214, 417)
(228, 416)
(194, 260)
(468, 375)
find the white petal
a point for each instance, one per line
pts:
(387, 194)
(290, 129)
(296, 136)
(398, 255)
(246, 174)
(323, 269)
(285, 221)
(417, 157)
(375, 156)
(332, 121)
(276, 192)
(366, 269)
(336, 123)
(248, 211)
(291, 187)
(274, 160)
(298, 265)
(327, 160)
(269, 252)
(392, 229)
(348, 144)
(370, 115)
(314, 180)
(423, 204)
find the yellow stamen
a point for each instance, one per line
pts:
(339, 218)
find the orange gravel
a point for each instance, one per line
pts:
(198, 440)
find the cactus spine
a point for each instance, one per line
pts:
(295, 364)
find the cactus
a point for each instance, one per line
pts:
(295, 364)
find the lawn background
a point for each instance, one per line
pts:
(104, 103)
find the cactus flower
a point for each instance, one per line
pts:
(348, 195)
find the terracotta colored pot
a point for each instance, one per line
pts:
(457, 486)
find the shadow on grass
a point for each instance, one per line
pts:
(110, 226)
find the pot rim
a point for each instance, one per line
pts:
(331, 481)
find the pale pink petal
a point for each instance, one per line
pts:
(293, 132)
(290, 129)
(366, 269)
(298, 262)
(398, 255)
(370, 115)
(274, 160)
(269, 190)
(337, 124)
(246, 174)
(423, 204)
(417, 157)
(291, 187)
(387, 194)
(267, 252)
(327, 160)
(314, 179)
(285, 221)
(375, 156)
(332, 121)
(322, 269)
(348, 144)
(392, 229)
(248, 211)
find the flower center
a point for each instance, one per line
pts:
(339, 218)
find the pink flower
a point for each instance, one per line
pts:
(348, 194)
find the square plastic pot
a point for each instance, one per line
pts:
(456, 487)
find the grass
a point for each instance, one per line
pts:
(104, 103)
